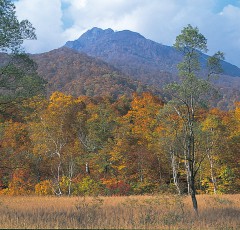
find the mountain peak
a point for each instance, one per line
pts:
(130, 34)
(98, 35)
(90, 36)
(95, 32)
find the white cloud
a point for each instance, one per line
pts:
(158, 20)
(223, 33)
(45, 16)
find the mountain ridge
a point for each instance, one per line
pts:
(96, 42)
(124, 69)
(147, 61)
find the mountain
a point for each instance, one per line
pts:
(131, 53)
(146, 60)
(108, 63)
(78, 74)
(120, 47)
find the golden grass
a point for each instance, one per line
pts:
(133, 212)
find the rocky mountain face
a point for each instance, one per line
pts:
(148, 61)
(131, 53)
(118, 48)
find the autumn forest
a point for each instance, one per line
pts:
(86, 146)
(63, 144)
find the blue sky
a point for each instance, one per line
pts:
(220, 4)
(58, 21)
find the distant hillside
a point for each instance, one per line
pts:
(118, 48)
(78, 74)
(146, 60)
(104, 62)
(131, 53)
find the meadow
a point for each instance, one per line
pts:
(132, 212)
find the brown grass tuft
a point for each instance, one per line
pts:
(133, 212)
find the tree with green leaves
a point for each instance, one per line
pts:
(12, 32)
(18, 73)
(189, 95)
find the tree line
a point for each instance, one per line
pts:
(85, 146)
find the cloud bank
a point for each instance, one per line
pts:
(57, 21)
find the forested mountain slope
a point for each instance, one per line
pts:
(148, 61)
(78, 74)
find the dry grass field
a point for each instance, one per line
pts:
(133, 212)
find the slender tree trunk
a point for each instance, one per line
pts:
(192, 186)
(186, 157)
(174, 171)
(191, 157)
(193, 192)
(70, 175)
(87, 168)
(57, 190)
(209, 150)
(58, 179)
(187, 175)
(194, 201)
(213, 178)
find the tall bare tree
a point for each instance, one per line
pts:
(190, 94)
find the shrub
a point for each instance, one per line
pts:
(21, 183)
(143, 188)
(44, 188)
(87, 186)
(115, 187)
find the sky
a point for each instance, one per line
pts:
(59, 21)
